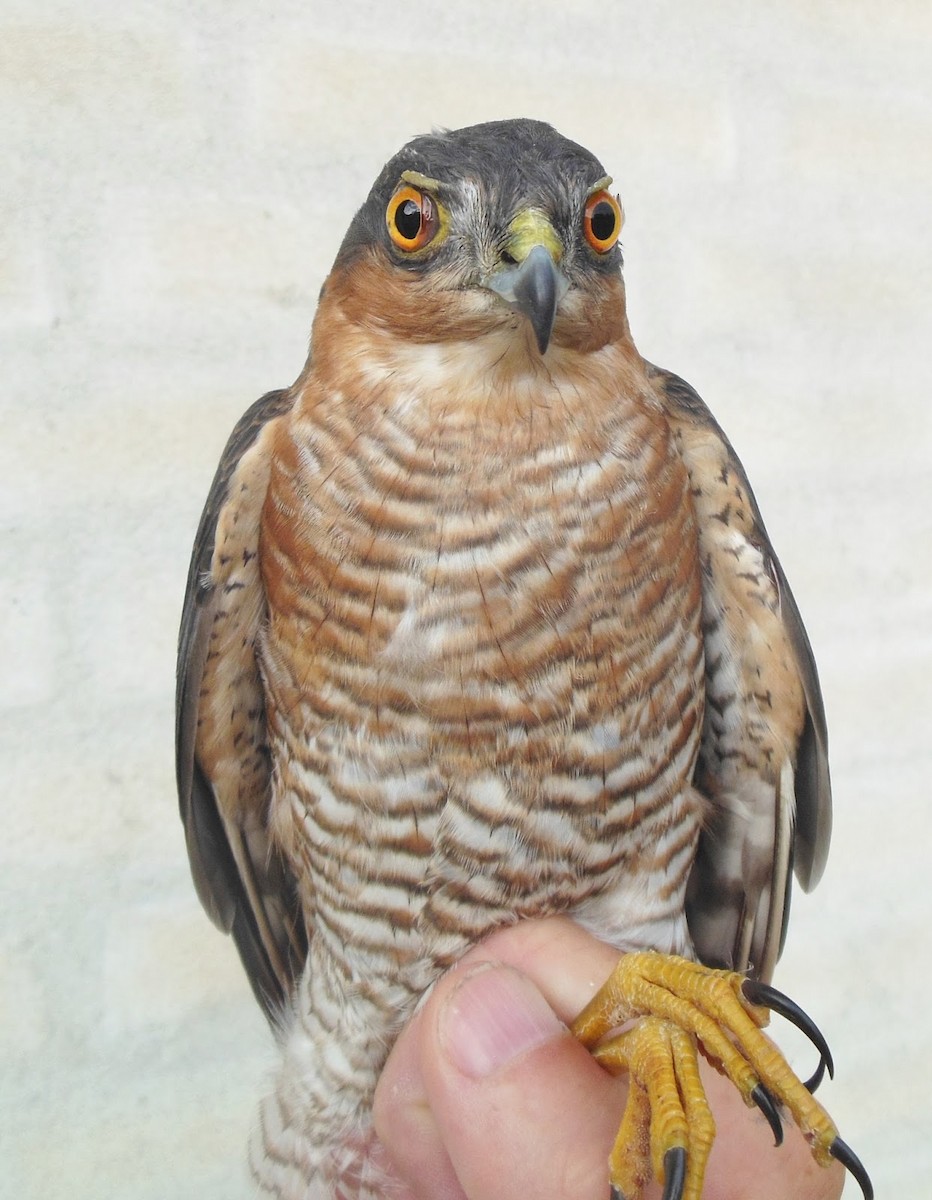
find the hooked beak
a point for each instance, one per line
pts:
(534, 285)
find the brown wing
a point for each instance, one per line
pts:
(222, 756)
(763, 762)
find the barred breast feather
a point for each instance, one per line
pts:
(483, 660)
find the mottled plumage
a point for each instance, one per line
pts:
(482, 622)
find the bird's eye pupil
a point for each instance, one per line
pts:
(408, 219)
(603, 221)
(414, 220)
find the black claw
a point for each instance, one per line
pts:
(843, 1153)
(816, 1077)
(674, 1173)
(768, 1106)
(617, 1193)
(763, 994)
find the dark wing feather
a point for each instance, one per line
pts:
(763, 762)
(813, 830)
(222, 760)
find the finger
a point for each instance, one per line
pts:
(514, 1096)
(569, 966)
(406, 1127)
(745, 1162)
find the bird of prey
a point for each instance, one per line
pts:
(482, 623)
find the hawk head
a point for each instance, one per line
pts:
(505, 228)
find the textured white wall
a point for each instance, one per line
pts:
(174, 181)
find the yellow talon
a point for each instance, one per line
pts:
(666, 1110)
(679, 1008)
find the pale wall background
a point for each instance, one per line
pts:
(174, 181)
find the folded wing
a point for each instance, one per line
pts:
(222, 759)
(763, 763)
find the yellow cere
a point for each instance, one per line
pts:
(530, 228)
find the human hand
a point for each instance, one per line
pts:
(487, 1096)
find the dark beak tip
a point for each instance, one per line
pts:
(536, 294)
(542, 337)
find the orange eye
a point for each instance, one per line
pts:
(602, 221)
(412, 218)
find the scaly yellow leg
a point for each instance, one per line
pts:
(667, 1122)
(677, 1005)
